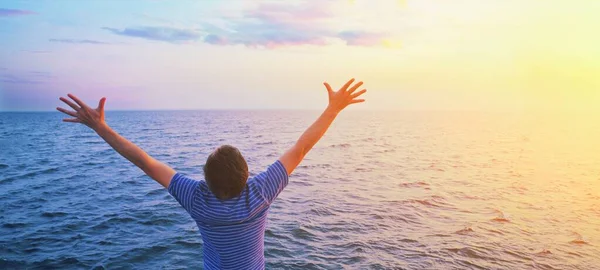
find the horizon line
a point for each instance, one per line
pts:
(271, 109)
(472, 110)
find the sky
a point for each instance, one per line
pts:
(411, 55)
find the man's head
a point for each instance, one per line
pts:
(226, 172)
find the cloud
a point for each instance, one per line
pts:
(269, 25)
(6, 12)
(269, 35)
(78, 41)
(166, 34)
(11, 79)
(274, 25)
(40, 74)
(25, 77)
(36, 51)
(362, 38)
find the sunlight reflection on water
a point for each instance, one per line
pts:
(442, 190)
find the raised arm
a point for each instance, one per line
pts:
(94, 118)
(338, 100)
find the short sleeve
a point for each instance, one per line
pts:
(272, 181)
(183, 189)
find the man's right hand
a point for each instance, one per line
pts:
(338, 100)
(93, 118)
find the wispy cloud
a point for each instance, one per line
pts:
(273, 25)
(36, 51)
(167, 34)
(280, 24)
(6, 12)
(267, 24)
(12, 79)
(41, 74)
(25, 77)
(78, 41)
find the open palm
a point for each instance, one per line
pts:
(83, 113)
(338, 100)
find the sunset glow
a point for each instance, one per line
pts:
(483, 55)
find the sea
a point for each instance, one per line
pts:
(381, 190)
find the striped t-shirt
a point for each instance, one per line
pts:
(232, 230)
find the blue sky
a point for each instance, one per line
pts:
(430, 54)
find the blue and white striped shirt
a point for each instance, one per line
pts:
(232, 230)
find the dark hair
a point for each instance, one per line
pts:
(226, 172)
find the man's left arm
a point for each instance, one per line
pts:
(94, 118)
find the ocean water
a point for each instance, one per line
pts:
(381, 190)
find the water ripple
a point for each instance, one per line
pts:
(411, 191)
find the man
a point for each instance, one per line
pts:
(229, 209)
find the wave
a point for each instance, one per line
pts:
(387, 150)
(14, 225)
(315, 166)
(107, 223)
(156, 249)
(544, 252)
(321, 211)
(355, 247)
(578, 240)
(158, 222)
(434, 166)
(93, 142)
(271, 234)
(469, 252)
(155, 192)
(500, 217)
(188, 244)
(414, 185)
(466, 230)
(12, 264)
(342, 145)
(376, 216)
(434, 201)
(303, 234)
(32, 250)
(408, 240)
(151, 129)
(58, 263)
(54, 214)
(105, 243)
(266, 143)
(363, 169)
(30, 174)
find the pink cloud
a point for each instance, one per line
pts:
(273, 25)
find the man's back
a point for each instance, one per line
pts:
(232, 230)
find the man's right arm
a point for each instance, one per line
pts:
(338, 100)
(94, 118)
